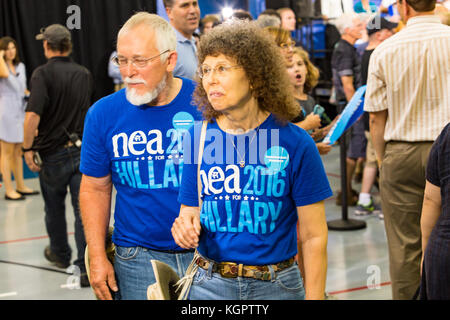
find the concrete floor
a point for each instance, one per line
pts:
(358, 267)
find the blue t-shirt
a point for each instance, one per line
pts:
(138, 146)
(358, 8)
(249, 213)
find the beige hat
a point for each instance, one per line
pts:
(164, 287)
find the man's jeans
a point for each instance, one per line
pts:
(134, 272)
(59, 171)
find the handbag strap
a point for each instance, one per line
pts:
(185, 283)
(199, 160)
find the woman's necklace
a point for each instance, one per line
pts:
(242, 157)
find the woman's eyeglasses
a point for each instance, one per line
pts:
(220, 70)
(286, 45)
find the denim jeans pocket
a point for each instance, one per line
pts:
(290, 279)
(199, 277)
(127, 253)
(52, 173)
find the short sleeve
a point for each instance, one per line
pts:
(310, 183)
(188, 193)
(376, 91)
(344, 66)
(95, 161)
(38, 93)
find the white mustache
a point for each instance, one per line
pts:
(128, 80)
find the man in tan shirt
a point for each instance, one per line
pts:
(408, 97)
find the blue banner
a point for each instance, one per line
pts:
(352, 111)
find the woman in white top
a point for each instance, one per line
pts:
(12, 114)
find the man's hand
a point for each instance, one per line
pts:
(102, 278)
(379, 163)
(30, 162)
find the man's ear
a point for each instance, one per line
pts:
(45, 46)
(169, 12)
(171, 61)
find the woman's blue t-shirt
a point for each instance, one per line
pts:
(249, 213)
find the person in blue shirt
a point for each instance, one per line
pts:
(259, 175)
(365, 6)
(131, 141)
(114, 72)
(184, 17)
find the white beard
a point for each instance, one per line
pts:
(139, 99)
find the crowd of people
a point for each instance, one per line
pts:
(213, 142)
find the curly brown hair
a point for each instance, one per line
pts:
(262, 62)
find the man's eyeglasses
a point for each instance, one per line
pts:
(137, 62)
(286, 45)
(221, 70)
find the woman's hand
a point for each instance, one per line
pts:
(186, 228)
(312, 121)
(323, 148)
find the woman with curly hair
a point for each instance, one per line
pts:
(258, 175)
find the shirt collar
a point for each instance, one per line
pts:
(181, 38)
(63, 58)
(423, 19)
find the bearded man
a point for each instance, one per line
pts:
(132, 141)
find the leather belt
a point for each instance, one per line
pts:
(234, 270)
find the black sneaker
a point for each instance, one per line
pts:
(53, 258)
(364, 210)
(84, 280)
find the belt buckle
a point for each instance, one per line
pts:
(228, 269)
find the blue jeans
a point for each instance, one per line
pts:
(134, 272)
(286, 284)
(59, 171)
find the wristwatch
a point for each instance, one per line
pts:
(26, 150)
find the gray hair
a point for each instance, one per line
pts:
(265, 20)
(164, 34)
(345, 21)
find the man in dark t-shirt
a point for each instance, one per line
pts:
(61, 92)
(346, 69)
(345, 62)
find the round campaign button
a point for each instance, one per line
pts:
(182, 121)
(276, 159)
